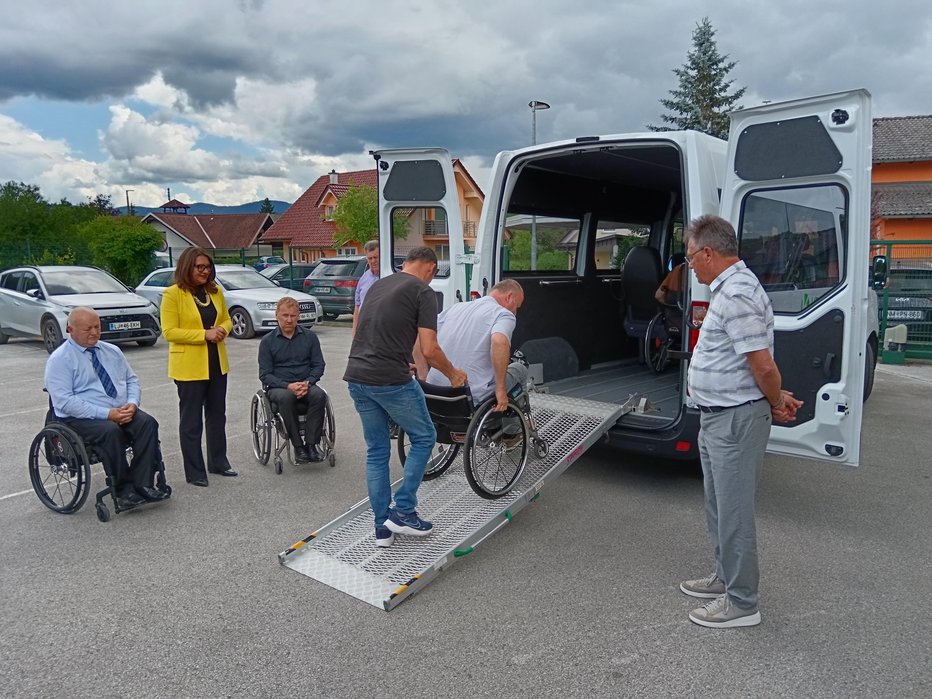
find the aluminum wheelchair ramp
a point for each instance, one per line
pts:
(343, 554)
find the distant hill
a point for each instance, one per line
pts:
(202, 208)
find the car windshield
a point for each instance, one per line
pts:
(335, 269)
(234, 280)
(910, 281)
(80, 281)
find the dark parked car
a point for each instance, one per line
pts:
(909, 301)
(289, 276)
(334, 282)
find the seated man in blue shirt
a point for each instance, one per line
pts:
(290, 365)
(96, 393)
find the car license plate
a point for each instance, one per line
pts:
(322, 290)
(306, 316)
(126, 325)
(904, 315)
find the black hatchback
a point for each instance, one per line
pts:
(334, 283)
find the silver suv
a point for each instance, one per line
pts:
(35, 302)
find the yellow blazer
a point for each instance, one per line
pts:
(182, 327)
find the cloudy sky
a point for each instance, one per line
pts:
(230, 101)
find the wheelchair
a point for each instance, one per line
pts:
(60, 470)
(267, 425)
(494, 456)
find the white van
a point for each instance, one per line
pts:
(794, 180)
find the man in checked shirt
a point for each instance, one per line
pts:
(737, 385)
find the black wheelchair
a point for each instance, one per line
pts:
(267, 425)
(495, 446)
(663, 337)
(60, 470)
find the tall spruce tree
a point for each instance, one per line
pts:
(702, 101)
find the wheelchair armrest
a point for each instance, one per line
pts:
(432, 389)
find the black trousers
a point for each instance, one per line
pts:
(200, 404)
(288, 403)
(110, 441)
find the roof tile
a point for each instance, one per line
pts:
(905, 138)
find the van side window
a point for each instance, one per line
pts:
(794, 241)
(613, 241)
(422, 225)
(555, 238)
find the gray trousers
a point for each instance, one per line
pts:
(731, 446)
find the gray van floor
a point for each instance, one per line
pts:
(615, 382)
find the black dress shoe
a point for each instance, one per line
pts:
(317, 454)
(202, 482)
(151, 494)
(128, 501)
(302, 455)
(226, 472)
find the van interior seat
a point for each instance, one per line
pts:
(641, 276)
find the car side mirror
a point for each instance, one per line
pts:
(879, 269)
(35, 294)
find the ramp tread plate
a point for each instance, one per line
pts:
(344, 554)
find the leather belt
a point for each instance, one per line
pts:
(720, 408)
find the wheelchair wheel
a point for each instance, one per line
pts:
(261, 417)
(103, 512)
(441, 458)
(59, 468)
(494, 461)
(328, 434)
(657, 344)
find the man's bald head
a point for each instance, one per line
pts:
(84, 326)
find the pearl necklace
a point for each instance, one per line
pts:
(202, 304)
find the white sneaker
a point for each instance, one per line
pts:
(720, 613)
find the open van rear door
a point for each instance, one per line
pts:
(797, 191)
(417, 192)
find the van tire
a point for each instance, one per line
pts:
(870, 363)
(4, 338)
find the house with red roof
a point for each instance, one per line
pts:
(901, 179)
(219, 234)
(306, 230)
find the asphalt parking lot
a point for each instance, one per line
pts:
(578, 596)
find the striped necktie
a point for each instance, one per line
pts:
(102, 373)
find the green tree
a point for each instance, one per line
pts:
(357, 217)
(267, 207)
(102, 204)
(122, 246)
(702, 100)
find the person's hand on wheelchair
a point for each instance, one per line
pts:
(459, 378)
(501, 399)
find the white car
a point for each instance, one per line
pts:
(35, 301)
(250, 297)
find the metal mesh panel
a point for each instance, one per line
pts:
(344, 554)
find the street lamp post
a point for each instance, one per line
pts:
(127, 201)
(536, 106)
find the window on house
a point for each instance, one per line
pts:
(329, 213)
(347, 251)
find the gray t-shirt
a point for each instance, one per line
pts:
(396, 306)
(464, 332)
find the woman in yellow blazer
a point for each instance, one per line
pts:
(195, 321)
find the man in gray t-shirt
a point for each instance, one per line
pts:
(477, 337)
(400, 309)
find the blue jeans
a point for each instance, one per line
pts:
(405, 405)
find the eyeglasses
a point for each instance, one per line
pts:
(203, 268)
(690, 258)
